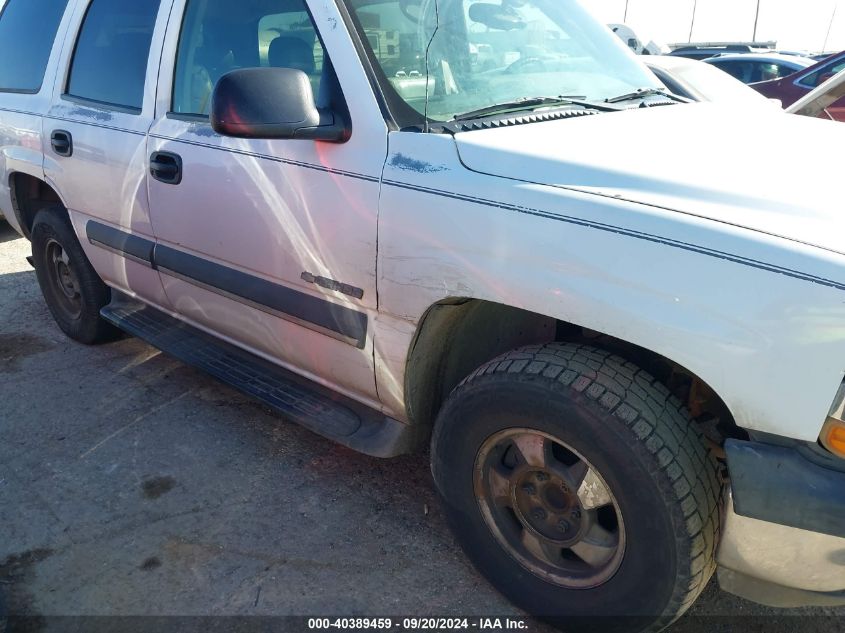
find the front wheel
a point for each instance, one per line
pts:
(579, 487)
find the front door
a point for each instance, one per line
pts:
(269, 244)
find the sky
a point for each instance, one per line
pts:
(800, 25)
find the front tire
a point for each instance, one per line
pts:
(579, 487)
(73, 291)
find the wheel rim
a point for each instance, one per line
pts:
(63, 281)
(549, 508)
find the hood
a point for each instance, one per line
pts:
(757, 168)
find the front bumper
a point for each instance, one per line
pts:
(783, 542)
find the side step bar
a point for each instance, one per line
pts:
(313, 406)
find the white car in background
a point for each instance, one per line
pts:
(695, 80)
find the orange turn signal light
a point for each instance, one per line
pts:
(833, 437)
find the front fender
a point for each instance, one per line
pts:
(759, 319)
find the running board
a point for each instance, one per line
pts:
(315, 407)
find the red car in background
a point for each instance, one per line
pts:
(792, 88)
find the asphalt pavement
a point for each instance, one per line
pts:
(133, 485)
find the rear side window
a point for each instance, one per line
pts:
(110, 61)
(814, 80)
(27, 31)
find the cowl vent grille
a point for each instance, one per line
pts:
(490, 123)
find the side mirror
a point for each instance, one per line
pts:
(495, 17)
(272, 103)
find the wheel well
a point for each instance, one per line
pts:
(457, 336)
(29, 196)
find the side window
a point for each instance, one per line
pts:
(734, 69)
(110, 61)
(27, 31)
(765, 71)
(784, 71)
(826, 72)
(276, 33)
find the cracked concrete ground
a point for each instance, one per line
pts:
(131, 484)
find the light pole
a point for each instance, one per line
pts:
(692, 22)
(756, 21)
(830, 26)
(625, 19)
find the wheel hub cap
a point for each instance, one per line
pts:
(63, 281)
(549, 508)
(67, 281)
(548, 505)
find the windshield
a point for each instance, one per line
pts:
(448, 57)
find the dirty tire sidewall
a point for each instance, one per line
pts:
(659, 577)
(88, 327)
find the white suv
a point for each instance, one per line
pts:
(398, 221)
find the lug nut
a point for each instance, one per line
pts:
(539, 514)
(563, 525)
(542, 477)
(529, 489)
(576, 514)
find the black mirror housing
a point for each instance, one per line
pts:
(497, 17)
(272, 103)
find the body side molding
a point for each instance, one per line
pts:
(125, 244)
(328, 318)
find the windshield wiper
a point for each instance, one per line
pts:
(646, 92)
(531, 103)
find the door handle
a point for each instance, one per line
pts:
(166, 167)
(62, 143)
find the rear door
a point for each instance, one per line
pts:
(270, 244)
(95, 136)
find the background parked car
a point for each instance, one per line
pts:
(755, 67)
(698, 81)
(797, 86)
(794, 53)
(705, 51)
